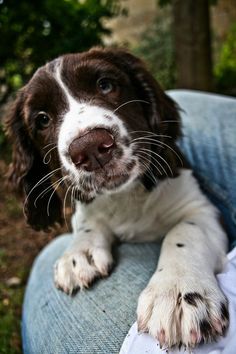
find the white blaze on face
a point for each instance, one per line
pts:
(80, 118)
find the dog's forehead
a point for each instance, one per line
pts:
(73, 77)
(43, 92)
(76, 71)
(87, 66)
(80, 60)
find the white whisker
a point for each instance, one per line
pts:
(151, 134)
(43, 179)
(48, 152)
(158, 143)
(71, 198)
(49, 200)
(158, 162)
(160, 157)
(131, 101)
(64, 205)
(169, 121)
(46, 190)
(76, 214)
(48, 145)
(147, 167)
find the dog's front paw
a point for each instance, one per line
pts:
(77, 269)
(182, 311)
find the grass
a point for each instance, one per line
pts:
(10, 309)
(19, 245)
(10, 314)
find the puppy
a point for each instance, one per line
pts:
(98, 125)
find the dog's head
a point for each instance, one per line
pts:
(92, 122)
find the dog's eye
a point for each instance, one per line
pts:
(43, 120)
(105, 86)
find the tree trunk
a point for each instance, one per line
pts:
(193, 44)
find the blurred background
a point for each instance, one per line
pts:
(185, 43)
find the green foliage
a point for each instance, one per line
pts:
(225, 68)
(164, 2)
(2, 139)
(10, 308)
(33, 32)
(157, 50)
(4, 149)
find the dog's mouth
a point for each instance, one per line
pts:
(101, 161)
(109, 179)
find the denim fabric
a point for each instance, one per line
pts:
(97, 320)
(209, 143)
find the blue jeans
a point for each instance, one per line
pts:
(97, 320)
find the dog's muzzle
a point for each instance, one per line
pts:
(93, 150)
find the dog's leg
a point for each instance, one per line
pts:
(88, 257)
(182, 303)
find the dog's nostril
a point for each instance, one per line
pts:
(79, 159)
(105, 147)
(93, 150)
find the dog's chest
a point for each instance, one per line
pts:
(132, 215)
(138, 215)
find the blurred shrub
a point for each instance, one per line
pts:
(156, 48)
(225, 68)
(33, 32)
(2, 139)
(4, 146)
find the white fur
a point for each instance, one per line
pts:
(176, 209)
(136, 215)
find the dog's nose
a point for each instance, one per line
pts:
(92, 150)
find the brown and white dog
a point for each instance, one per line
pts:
(99, 125)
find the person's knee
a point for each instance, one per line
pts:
(93, 321)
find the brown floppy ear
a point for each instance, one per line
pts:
(162, 111)
(27, 169)
(161, 114)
